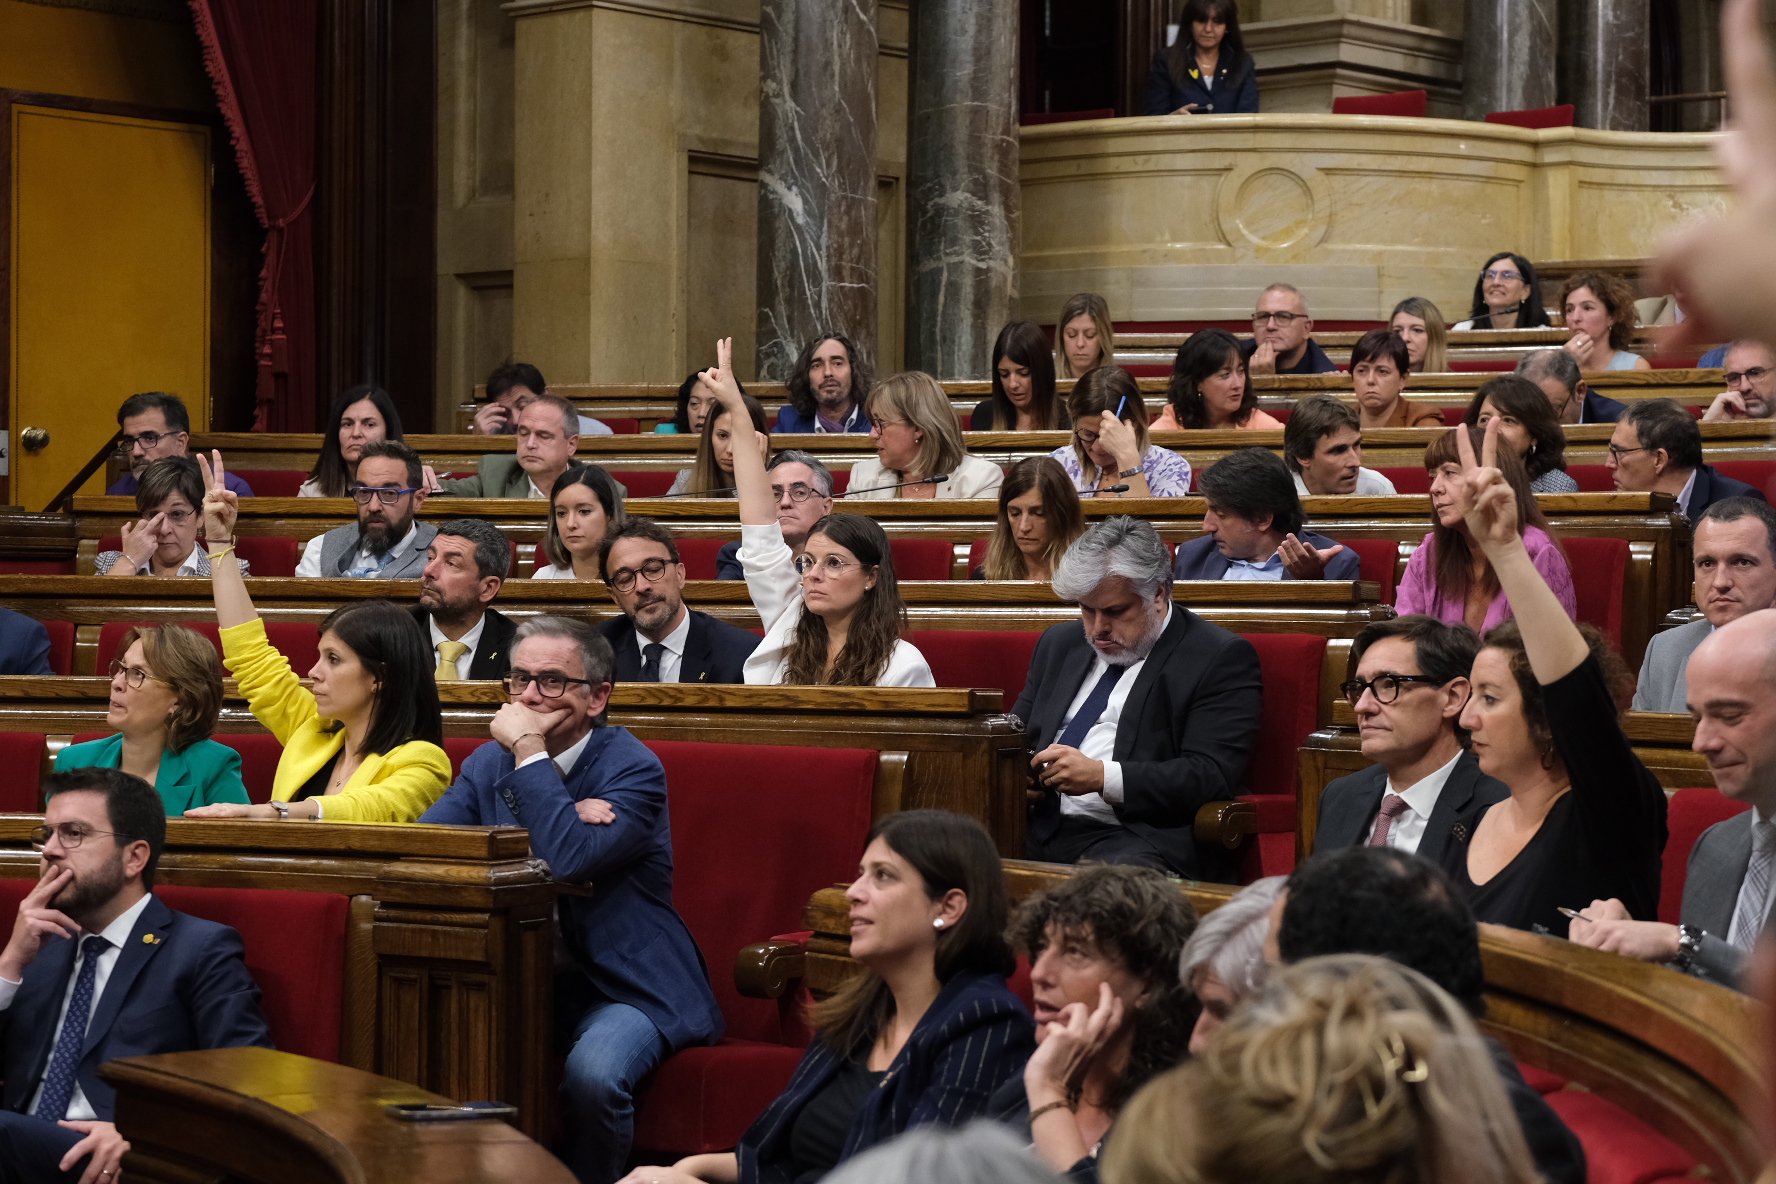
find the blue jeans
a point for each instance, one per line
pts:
(612, 1048)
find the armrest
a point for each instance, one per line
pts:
(1228, 824)
(768, 969)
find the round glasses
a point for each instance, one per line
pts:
(831, 566)
(1502, 275)
(549, 684)
(623, 579)
(133, 676)
(69, 834)
(797, 493)
(1385, 687)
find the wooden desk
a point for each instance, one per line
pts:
(264, 1117)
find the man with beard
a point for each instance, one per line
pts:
(465, 566)
(385, 543)
(826, 389)
(98, 968)
(658, 639)
(1138, 720)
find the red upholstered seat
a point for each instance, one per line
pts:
(458, 748)
(699, 556)
(977, 554)
(1482, 366)
(1401, 102)
(295, 951)
(645, 482)
(296, 640)
(1600, 569)
(1410, 479)
(260, 753)
(21, 754)
(267, 556)
(1756, 473)
(1560, 115)
(1592, 478)
(36, 567)
(807, 811)
(61, 646)
(1543, 1081)
(1290, 664)
(1689, 813)
(1619, 1148)
(272, 482)
(1380, 560)
(620, 425)
(978, 658)
(922, 559)
(1453, 416)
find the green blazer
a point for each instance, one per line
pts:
(495, 476)
(204, 773)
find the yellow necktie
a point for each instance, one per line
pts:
(448, 653)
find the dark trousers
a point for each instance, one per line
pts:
(1074, 839)
(31, 1149)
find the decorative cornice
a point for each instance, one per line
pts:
(1354, 42)
(739, 15)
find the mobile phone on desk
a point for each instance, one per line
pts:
(452, 1112)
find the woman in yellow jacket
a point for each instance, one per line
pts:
(365, 744)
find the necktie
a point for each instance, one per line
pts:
(448, 654)
(1092, 709)
(58, 1083)
(1754, 892)
(1392, 806)
(650, 661)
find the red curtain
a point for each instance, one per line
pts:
(263, 61)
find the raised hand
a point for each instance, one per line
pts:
(1490, 504)
(1303, 562)
(718, 381)
(1118, 439)
(492, 419)
(1069, 1044)
(221, 505)
(37, 923)
(1581, 346)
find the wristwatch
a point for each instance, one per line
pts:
(283, 810)
(1134, 472)
(1689, 943)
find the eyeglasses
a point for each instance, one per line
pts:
(1385, 687)
(1285, 319)
(178, 517)
(832, 565)
(797, 493)
(71, 835)
(1502, 275)
(1086, 439)
(1735, 377)
(1617, 452)
(882, 425)
(147, 440)
(623, 578)
(135, 676)
(363, 493)
(549, 684)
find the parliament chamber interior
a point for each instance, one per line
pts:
(1061, 326)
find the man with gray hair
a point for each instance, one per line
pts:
(802, 487)
(1139, 719)
(594, 801)
(1558, 375)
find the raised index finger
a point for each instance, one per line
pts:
(216, 465)
(1464, 450)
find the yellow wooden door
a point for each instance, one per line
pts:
(110, 282)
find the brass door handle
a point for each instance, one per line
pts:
(34, 439)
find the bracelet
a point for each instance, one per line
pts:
(1134, 472)
(215, 555)
(527, 735)
(1041, 1110)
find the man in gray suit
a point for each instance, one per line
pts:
(1408, 690)
(1727, 888)
(1735, 564)
(548, 435)
(385, 543)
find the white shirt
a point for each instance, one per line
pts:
(311, 554)
(535, 492)
(1369, 484)
(471, 639)
(1411, 823)
(116, 933)
(566, 761)
(1100, 740)
(550, 572)
(672, 658)
(1683, 505)
(975, 477)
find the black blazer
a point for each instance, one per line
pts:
(715, 651)
(1235, 90)
(1348, 807)
(1186, 733)
(1714, 486)
(1601, 409)
(492, 659)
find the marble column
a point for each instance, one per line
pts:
(962, 183)
(1604, 56)
(1508, 56)
(817, 177)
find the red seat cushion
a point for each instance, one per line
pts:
(1600, 567)
(705, 1098)
(272, 482)
(1689, 813)
(978, 657)
(267, 556)
(1619, 1148)
(296, 640)
(37, 567)
(1560, 115)
(699, 556)
(645, 482)
(1543, 1081)
(1402, 102)
(458, 749)
(1379, 560)
(1290, 665)
(1409, 479)
(21, 754)
(922, 559)
(1592, 478)
(620, 425)
(260, 753)
(1756, 473)
(61, 646)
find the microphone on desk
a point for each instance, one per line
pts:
(1105, 489)
(700, 493)
(937, 480)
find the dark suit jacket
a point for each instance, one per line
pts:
(24, 644)
(1199, 560)
(1714, 486)
(975, 1036)
(1235, 91)
(492, 659)
(1600, 409)
(188, 990)
(727, 562)
(625, 935)
(1187, 729)
(1711, 893)
(715, 651)
(1348, 807)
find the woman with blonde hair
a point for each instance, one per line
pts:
(1084, 336)
(1419, 323)
(1039, 517)
(1342, 1068)
(919, 450)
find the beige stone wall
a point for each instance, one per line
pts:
(1189, 219)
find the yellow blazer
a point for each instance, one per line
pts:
(394, 786)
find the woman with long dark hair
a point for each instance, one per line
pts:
(712, 472)
(585, 505)
(1210, 387)
(1206, 69)
(1527, 426)
(361, 415)
(1507, 295)
(1023, 398)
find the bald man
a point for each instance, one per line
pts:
(1727, 889)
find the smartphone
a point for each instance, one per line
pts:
(466, 1112)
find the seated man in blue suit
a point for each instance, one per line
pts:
(24, 644)
(594, 800)
(1253, 527)
(658, 639)
(1657, 448)
(1568, 393)
(97, 968)
(1408, 687)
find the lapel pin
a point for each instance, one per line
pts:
(1459, 832)
(149, 939)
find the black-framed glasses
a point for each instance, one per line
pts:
(1617, 452)
(388, 497)
(135, 676)
(1086, 439)
(71, 835)
(148, 440)
(1386, 687)
(623, 579)
(549, 683)
(1285, 319)
(797, 493)
(1735, 377)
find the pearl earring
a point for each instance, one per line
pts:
(937, 924)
